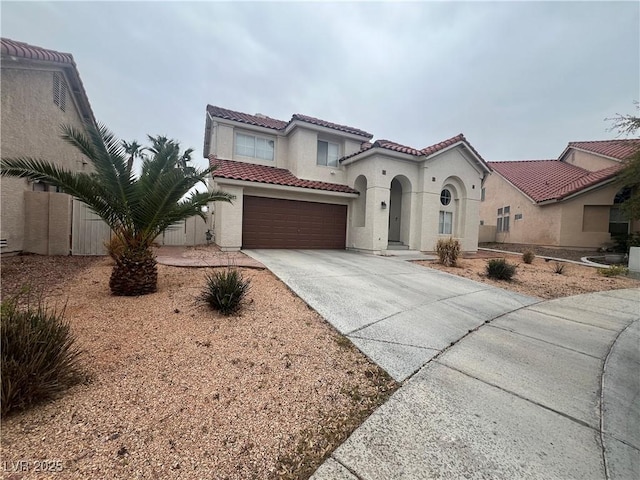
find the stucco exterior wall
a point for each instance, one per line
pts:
(421, 183)
(538, 225)
(561, 224)
(227, 219)
(588, 161)
(303, 156)
(30, 127)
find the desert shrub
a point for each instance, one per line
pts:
(613, 271)
(225, 289)
(500, 269)
(39, 356)
(448, 251)
(559, 268)
(528, 256)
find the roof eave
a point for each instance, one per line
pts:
(274, 186)
(589, 152)
(487, 169)
(514, 186)
(382, 151)
(329, 130)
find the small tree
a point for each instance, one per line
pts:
(630, 176)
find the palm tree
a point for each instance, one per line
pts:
(137, 209)
(134, 150)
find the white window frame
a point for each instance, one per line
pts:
(330, 160)
(254, 146)
(503, 223)
(445, 228)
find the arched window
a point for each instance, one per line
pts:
(618, 221)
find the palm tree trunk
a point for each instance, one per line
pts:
(135, 273)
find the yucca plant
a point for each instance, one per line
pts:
(225, 289)
(137, 208)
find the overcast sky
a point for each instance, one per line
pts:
(519, 79)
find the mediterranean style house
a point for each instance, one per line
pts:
(309, 183)
(41, 89)
(571, 201)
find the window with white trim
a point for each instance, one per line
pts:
(503, 219)
(445, 224)
(328, 153)
(255, 147)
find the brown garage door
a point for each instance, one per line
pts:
(275, 223)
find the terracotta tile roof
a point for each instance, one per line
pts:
(334, 126)
(260, 121)
(396, 147)
(620, 149)
(24, 50)
(250, 172)
(544, 180)
(13, 49)
(268, 122)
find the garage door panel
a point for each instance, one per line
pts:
(276, 223)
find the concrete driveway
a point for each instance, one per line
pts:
(545, 389)
(399, 314)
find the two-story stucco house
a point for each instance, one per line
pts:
(309, 183)
(572, 201)
(41, 89)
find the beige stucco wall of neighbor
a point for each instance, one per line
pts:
(538, 226)
(561, 224)
(588, 161)
(30, 127)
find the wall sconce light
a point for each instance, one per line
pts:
(383, 205)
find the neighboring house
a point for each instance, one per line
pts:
(41, 89)
(569, 202)
(309, 183)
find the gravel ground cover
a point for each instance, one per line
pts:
(539, 278)
(178, 391)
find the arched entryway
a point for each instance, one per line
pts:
(399, 210)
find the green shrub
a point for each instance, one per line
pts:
(225, 290)
(448, 251)
(528, 256)
(559, 268)
(39, 356)
(500, 269)
(613, 271)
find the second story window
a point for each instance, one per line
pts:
(256, 147)
(328, 153)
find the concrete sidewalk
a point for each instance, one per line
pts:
(507, 386)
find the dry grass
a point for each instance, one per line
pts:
(178, 391)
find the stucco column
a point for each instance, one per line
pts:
(229, 215)
(380, 217)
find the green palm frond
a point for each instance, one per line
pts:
(136, 209)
